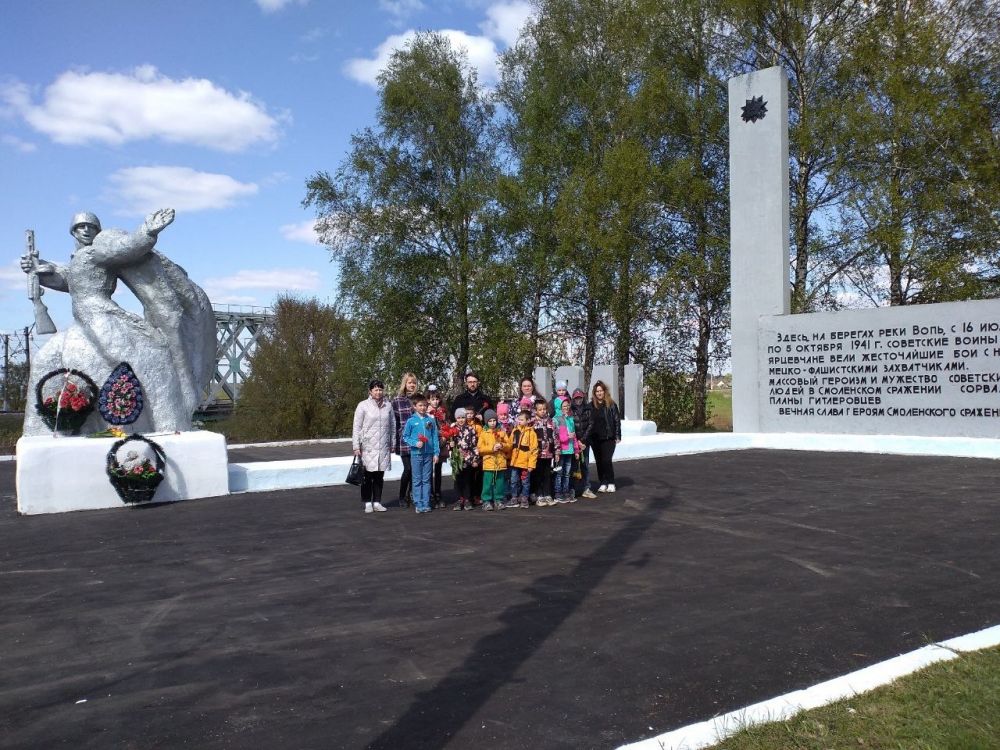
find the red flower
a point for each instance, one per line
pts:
(137, 470)
(77, 403)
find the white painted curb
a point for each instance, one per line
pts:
(710, 732)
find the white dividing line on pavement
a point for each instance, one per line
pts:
(710, 732)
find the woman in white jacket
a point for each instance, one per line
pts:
(374, 428)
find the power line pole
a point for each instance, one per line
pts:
(6, 370)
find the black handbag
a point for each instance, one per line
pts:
(356, 474)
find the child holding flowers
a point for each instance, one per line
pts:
(467, 454)
(494, 445)
(542, 475)
(421, 434)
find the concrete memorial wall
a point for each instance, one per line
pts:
(930, 370)
(919, 370)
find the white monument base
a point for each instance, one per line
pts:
(55, 475)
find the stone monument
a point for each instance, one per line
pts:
(171, 349)
(163, 359)
(928, 370)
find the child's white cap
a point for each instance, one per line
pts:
(561, 385)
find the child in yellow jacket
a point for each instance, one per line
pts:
(523, 459)
(494, 447)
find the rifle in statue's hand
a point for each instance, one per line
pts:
(43, 322)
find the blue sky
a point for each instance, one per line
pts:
(220, 110)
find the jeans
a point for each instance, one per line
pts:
(562, 476)
(520, 487)
(420, 464)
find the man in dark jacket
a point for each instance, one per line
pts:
(583, 416)
(473, 400)
(475, 403)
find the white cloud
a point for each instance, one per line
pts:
(400, 10)
(313, 35)
(12, 277)
(304, 231)
(482, 54)
(505, 21)
(114, 108)
(139, 190)
(272, 6)
(501, 28)
(232, 289)
(234, 299)
(12, 141)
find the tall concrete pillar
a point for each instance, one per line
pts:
(543, 382)
(759, 226)
(633, 392)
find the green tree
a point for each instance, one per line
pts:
(302, 382)
(920, 85)
(407, 215)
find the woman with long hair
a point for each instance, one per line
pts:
(402, 407)
(371, 439)
(605, 434)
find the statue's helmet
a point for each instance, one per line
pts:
(84, 217)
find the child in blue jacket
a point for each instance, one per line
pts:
(421, 434)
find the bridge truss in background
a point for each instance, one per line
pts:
(238, 328)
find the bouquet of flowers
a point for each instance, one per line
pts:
(69, 406)
(455, 460)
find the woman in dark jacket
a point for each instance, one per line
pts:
(605, 434)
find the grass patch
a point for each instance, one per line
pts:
(954, 705)
(720, 411)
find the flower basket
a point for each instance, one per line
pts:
(135, 482)
(67, 408)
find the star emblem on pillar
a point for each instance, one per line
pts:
(755, 109)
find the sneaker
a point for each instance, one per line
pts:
(611, 488)
(460, 505)
(512, 503)
(499, 505)
(603, 488)
(369, 508)
(487, 506)
(379, 507)
(587, 493)
(469, 505)
(569, 498)
(524, 503)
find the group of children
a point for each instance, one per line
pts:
(518, 455)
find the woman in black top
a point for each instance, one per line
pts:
(605, 434)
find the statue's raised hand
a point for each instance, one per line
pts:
(159, 220)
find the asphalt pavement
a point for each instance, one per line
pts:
(294, 620)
